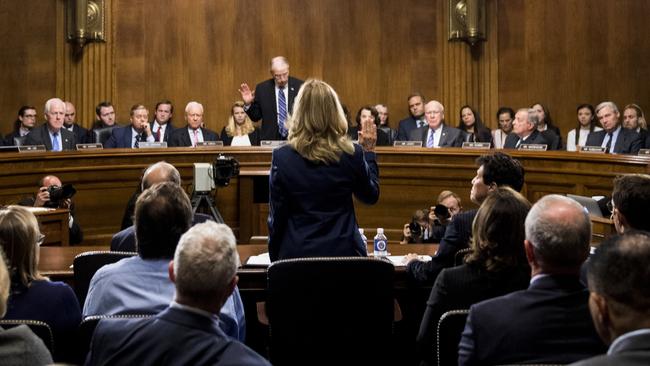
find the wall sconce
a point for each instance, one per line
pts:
(84, 22)
(467, 21)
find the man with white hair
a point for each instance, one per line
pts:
(550, 321)
(272, 100)
(204, 271)
(437, 133)
(614, 138)
(194, 132)
(51, 134)
(524, 130)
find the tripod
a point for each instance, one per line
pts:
(203, 198)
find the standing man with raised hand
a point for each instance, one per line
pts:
(51, 134)
(272, 100)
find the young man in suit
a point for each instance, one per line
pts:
(415, 120)
(161, 126)
(132, 135)
(272, 100)
(613, 137)
(52, 134)
(524, 130)
(69, 123)
(193, 132)
(437, 133)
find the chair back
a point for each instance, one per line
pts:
(20, 140)
(87, 329)
(330, 310)
(102, 134)
(459, 257)
(450, 328)
(86, 264)
(41, 329)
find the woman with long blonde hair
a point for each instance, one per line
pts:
(240, 130)
(314, 176)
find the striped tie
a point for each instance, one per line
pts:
(430, 139)
(55, 142)
(136, 144)
(282, 112)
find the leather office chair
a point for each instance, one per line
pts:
(41, 329)
(87, 328)
(86, 264)
(20, 141)
(102, 134)
(450, 328)
(330, 310)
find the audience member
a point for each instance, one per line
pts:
(546, 126)
(620, 299)
(24, 123)
(631, 203)
(496, 266)
(314, 176)
(634, 119)
(193, 132)
(415, 120)
(105, 114)
(505, 116)
(586, 124)
(239, 131)
(428, 226)
(549, 322)
(132, 135)
(187, 332)
(614, 138)
(470, 122)
(495, 170)
(139, 285)
(18, 345)
(51, 134)
(70, 124)
(384, 125)
(161, 126)
(272, 100)
(524, 130)
(369, 113)
(33, 296)
(437, 133)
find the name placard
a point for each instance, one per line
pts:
(592, 149)
(407, 144)
(155, 144)
(97, 146)
(272, 143)
(533, 147)
(644, 152)
(209, 143)
(31, 148)
(476, 145)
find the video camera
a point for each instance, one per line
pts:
(224, 168)
(58, 194)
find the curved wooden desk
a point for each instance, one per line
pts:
(410, 178)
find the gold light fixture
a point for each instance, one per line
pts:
(84, 21)
(467, 21)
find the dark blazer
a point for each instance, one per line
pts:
(481, 135)
(547, 323)
(534, 138)
(456, 237)
(168, 130)
(41, 136)
(9, 138)
(172, 337)
(121, 137)
(80, 133)
(253, 136)
(451, 136)
(631, 351)
(554, 140)
(180, 136)
(311, 207)
(405, 127)
(628, 141)
(264, 106)
(459, 288)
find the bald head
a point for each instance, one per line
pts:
(160, 172)
(70, 114)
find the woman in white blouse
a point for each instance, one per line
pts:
(586, 124)
(240, 130)
(505, 116)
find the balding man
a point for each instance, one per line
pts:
(70, 124)
(437, 133)
(524, 130)
(550, 321)
(614, 138)
(194, 132)
(52, 134)
(272, 100)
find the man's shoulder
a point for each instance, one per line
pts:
(121, 267)
(406, 121)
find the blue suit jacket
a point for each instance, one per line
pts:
(311, 208)
(172, 337)
(121, 137)
(265, 107)
(405, 127)
(627, 142)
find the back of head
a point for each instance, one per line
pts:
(5, 284)
(631, 196)
(498, 230)
(160, 172)
(317, 127)
(503, 170)
(162, 214)
(19, 235)
(559, 230)
(205, 261)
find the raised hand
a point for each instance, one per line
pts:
(247, 95)
(368, 135)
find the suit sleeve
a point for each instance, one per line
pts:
(112, 141)
(223, 136)
(402, 134)
(174, 139)
(255, 110)
(635, 144)
(467, 345)
(367, 183)
(435, 307)
(278, 215)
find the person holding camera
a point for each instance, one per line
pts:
(428, 226)
(53, 194)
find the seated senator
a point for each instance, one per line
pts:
(240, 130)
(193, 132)
(132, 135)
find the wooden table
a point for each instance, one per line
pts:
(54, 225)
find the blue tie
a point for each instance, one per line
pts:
(55, 142)
(282, 112)
(430, 139)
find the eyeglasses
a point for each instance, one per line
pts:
(41, 239)
(610, 206)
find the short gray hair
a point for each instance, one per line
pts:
(206, 260)
(193, 104)
(52, 101)
(278, 61)
(532, 117)
(609, 104)
(558, 242)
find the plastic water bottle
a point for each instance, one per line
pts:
(363, 237)
(381, 244)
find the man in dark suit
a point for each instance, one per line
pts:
(613, 137)
(69, 123)
(132, 135)
(437, 133)
(52, 134)
(550, 321)
(193, 132)
(162, 126)
(272, 100)
(494, 171)
(524, 130)
(204, 271)
(618, 282)
(415, 120)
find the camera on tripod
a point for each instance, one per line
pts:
(209, 176)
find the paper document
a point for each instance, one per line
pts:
(264, 260)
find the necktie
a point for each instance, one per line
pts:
(195, 137)
(420, 123)
(609, 142)
(518, 143)
(55, 142)
(136, 144)
(282, 112)
(430, 139)
(157, 134)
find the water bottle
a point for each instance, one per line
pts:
(363, 237)
(381, 244)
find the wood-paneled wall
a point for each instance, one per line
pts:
(559, 52)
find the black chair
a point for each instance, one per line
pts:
(459, 257)
(86, 264)
(330, 310)
(20, 141)
(102, 135)
(450, 328)
(87, 329)
(41, 329)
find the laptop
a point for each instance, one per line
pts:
(590, 204)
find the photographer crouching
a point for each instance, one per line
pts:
(428, 226)
(53, 194)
